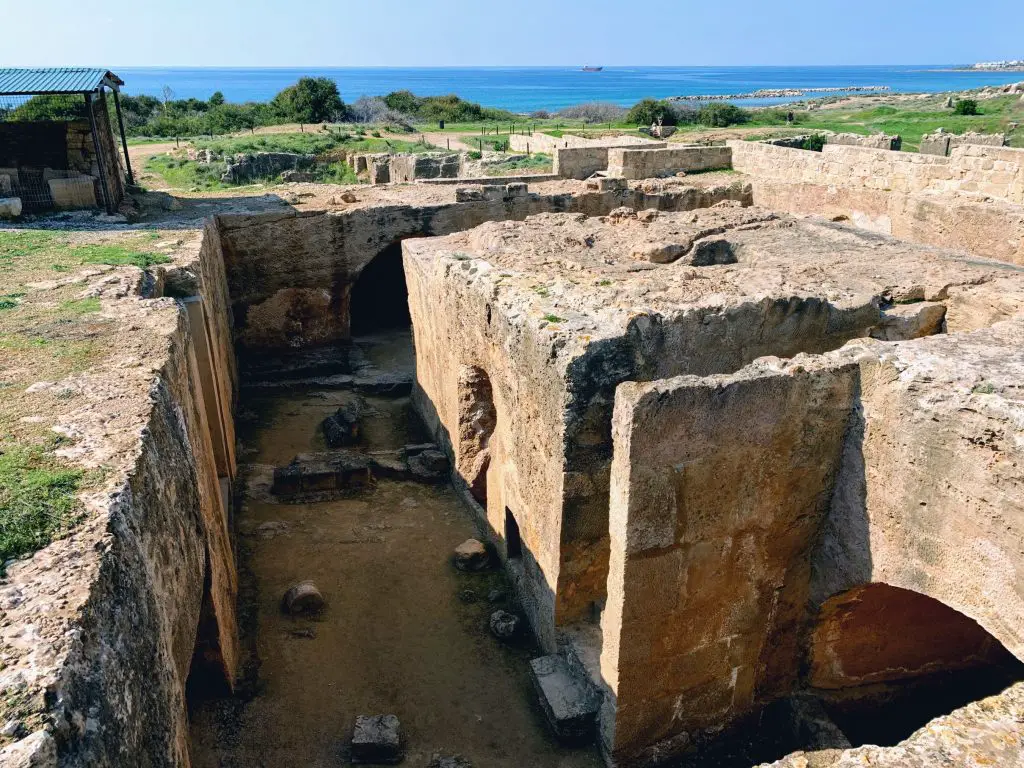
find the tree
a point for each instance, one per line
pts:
(51, 107)
(311, 100)
(217, 100)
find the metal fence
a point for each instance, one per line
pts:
(48, 153)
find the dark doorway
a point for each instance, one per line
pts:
(380, 300)
(886, 660)
(513, 541)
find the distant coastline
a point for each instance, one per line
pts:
(529, 89)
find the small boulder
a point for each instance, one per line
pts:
(497, 596)
(711, 252)
(647, 216)
(504, 625)
(623, 213)
(348, 197)
(303, 597)
(429, 466)
(343, 427)
(377, 739)
(659, 253)
(471, 555)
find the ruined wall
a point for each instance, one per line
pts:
(410, 167)
(701, 342)
(542, 142)
(583, 161)
(971, 200)
(716, 497)
(114, 608)
(463, 332)
(651, 163)
(995, 172)
(875, 141)
(289, 275)
(932, 486)
(942, 143)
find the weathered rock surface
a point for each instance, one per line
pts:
(569, 701)
(504, 625)
(377, 739)
(471, 555)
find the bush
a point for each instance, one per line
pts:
(966, 107)
(593, 112)
(815, 142)
(722, 115)
(449, 108)
(651, 111)
(541, 114)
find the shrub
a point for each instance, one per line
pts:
(966, 107)
(722, 115)
(815, 142)
(650, 111)
(541, 114)
(593, 112)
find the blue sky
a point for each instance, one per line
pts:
(526, 32)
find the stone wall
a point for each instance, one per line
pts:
(943, 143)
(874, 141)
(460, 334)
(652, 163)
(114, 609)
(716, 498)
(970, 200)
(583, 161)
(290, 275)
(740, 534)
(410, 167)
(246, 167)
(542, 142)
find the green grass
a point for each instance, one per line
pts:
(37, 499)
(34, 250)
(910, 122)
(537, 163)
(80, 306)
(182, 173)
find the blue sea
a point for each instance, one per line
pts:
(526, 89)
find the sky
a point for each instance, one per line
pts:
(403, 33)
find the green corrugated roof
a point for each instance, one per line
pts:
(29, 82)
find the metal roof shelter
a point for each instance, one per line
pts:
(67, 80)
(88, 82)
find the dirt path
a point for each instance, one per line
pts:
(403, 632)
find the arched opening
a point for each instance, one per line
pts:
(477, 422)
(884, 661)
(380, 299)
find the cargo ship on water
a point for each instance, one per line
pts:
(589, 68)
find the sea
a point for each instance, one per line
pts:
(528, 89)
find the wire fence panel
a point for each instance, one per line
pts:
(48, 154)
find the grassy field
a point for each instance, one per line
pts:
(535, 163)
(179, 172)
(48, 332)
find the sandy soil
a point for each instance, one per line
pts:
(403, 631)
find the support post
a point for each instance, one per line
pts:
(99, 154)
(124, 140)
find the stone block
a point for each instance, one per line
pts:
(570, 703)
(71, 194)
(377, 739)
(10, 207)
